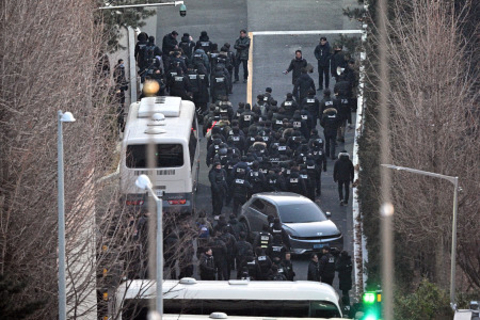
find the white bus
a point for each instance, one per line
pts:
(224, 316)
(171, 124)
(299, 299)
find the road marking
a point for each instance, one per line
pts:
(250, 70)
(273, 33)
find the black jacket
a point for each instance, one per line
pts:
(313, 271)
(303, 84)
(187, 46)
(296, 66)
(204, 43)
(343, 169)
(330, 120)
(338, 60)
(312, 105)
(207, 267)
(326, 266)
(218, 181)
(242, 45)
(323, 54)
(344, 268)
(168, 44)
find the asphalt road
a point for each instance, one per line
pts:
(271, 55)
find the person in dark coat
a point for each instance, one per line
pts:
(326, 266)
(296, 66)
(218, 185)
(343, 174)
(140, 48)
(248, 268)
(204, 43)
(323, 56)
(326, 102)
(276, 275)
(207, 265)
(242, 45)
(313, 268)
(264, 264)
(179, 85)
(303, 84)
(187, 45)
(219, 250)
(338, 60)
(330, 122)
(287, 267)
(202, 97)
(344, 268)
(169, 44)
(312, 105)
(242, 247)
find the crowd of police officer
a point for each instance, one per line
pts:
(269, 146)
(225, 248)
(199, 71)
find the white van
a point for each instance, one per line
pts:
(298, 299)
(170, 124)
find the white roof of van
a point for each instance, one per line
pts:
(169, 106)
(230, 290)
(175, 128)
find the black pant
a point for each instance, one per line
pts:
(245, 69)
(217, 202)
(318, 183)
(345, 298)
(323, 71)
(328, 280)
(330, 138)
(344, 184)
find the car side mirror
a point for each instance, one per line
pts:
(328, 214)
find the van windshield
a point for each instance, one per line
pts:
(167, 155)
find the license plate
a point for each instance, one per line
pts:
(318, 246)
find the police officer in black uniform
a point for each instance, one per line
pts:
(326, 266)
(218, 185)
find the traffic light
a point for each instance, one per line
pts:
(372, 305)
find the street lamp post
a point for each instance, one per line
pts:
(453, 180)
(143, 182)
(143, 5)
(62, 288)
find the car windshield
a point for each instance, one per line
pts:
(301, 213)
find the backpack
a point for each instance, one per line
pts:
(185, 46)
(242, 249)
(198, 60)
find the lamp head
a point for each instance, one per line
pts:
(67, 117)
(143, 182)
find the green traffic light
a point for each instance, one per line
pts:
(371, 317)
(369, 297)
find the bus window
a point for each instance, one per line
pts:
(323, 310)
(230, 307)
(182, 306)
(294, 309)
(166, 155)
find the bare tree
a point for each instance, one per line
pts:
(49, 53)
(433, 127)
